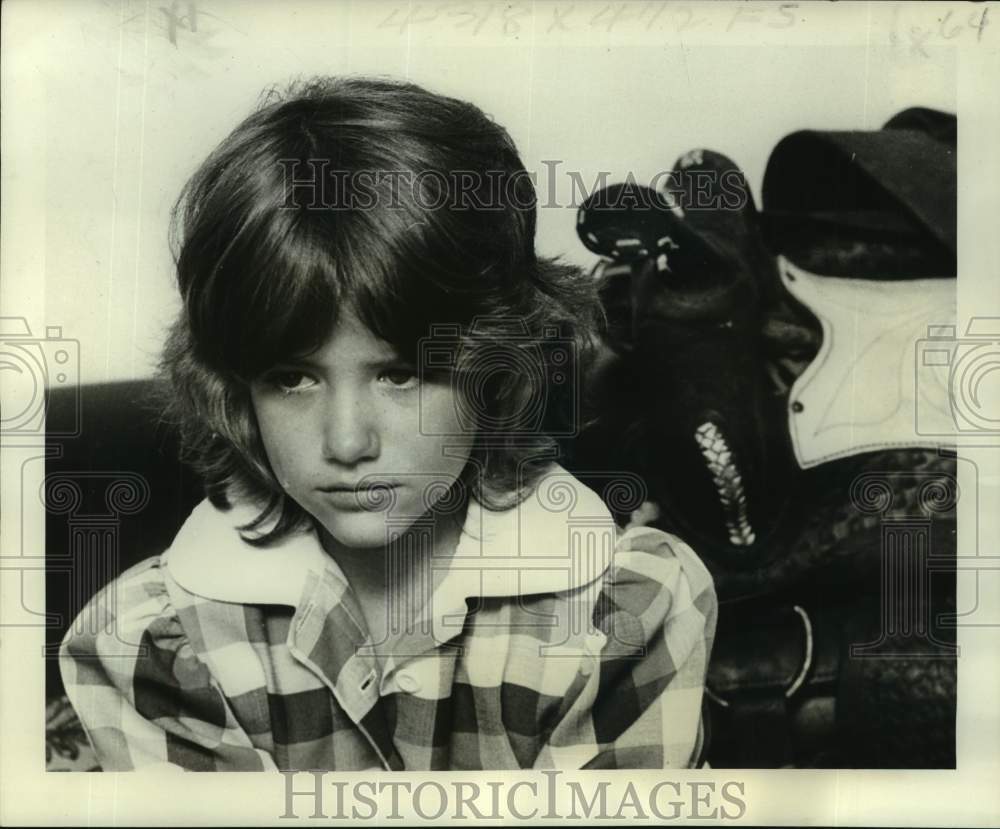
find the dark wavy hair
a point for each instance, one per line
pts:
(409, 208)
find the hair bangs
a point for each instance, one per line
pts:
(283, 283)
(273, 293)
(400, 280)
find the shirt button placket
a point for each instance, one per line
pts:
(593, 644)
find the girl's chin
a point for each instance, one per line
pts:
(362, 530)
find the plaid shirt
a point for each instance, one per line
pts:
(221, 656)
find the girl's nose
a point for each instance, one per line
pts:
(349, 432)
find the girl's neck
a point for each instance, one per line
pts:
(393, 584)
(407, 558)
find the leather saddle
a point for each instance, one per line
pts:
(724, 383)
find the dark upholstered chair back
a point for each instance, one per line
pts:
(116, 493)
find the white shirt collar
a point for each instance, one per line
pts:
(559, 538)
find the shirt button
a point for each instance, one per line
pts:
(595, 642)
(407, 683)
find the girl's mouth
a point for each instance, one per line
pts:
(358, 487)
(366, 497)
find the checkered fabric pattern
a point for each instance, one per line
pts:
(606, 674)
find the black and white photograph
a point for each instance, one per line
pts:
(478, 411)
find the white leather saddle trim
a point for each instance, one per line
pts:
(871, 386)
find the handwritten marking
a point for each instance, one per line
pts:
(175, 21)
(473, 16)
(511, 18)
(559, 19)
(949, 27)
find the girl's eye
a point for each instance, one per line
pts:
(401, 376)
(289, 382)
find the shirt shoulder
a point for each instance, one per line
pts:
(656, 583)
(125, 614)
(649, 554)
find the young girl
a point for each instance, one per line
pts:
(390, 571)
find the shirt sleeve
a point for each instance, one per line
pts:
(141, 693)
(636, 701)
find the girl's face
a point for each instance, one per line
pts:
(352, 416)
